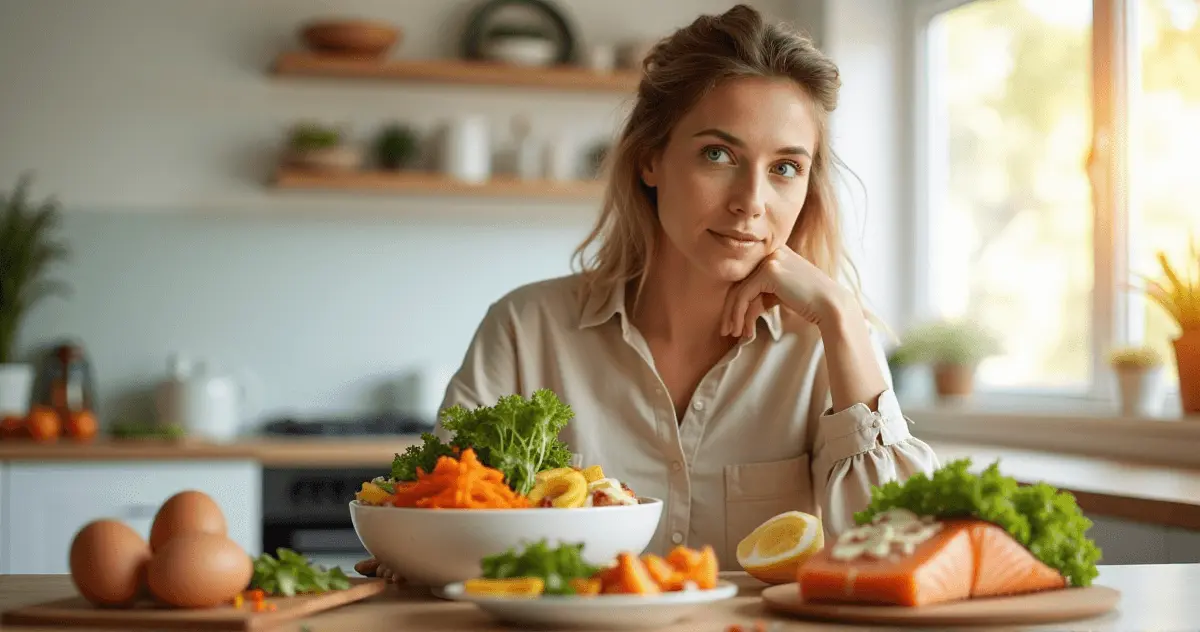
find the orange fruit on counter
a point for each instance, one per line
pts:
(44, 423)
(81, 425)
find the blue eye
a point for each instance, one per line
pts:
(715, 153)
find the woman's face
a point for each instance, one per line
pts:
(734, 174)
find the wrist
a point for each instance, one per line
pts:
(837, 313)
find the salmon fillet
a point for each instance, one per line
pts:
(965, 558)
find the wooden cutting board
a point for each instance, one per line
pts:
(1053, 606)
(77, 612)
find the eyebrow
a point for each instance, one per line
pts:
(796, 150)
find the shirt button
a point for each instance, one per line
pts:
(698, 405)
(677, 537)
(677, 466)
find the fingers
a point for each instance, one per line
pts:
(741, 306)
(756, 309)
(367, 568)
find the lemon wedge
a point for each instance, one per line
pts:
(775, 550)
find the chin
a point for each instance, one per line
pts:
(731, 270)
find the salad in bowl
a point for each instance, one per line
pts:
(504, 479)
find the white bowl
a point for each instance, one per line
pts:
(436, 547)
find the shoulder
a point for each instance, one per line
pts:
(556, 299)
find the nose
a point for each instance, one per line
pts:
(749, 194)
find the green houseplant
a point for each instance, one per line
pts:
(396, 146)
(27, 250)
(954, 349)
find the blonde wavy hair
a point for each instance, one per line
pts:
(676, 74)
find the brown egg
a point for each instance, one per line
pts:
(188, 511)
(108, 563)
(198, 570)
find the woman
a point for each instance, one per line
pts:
(708, 353)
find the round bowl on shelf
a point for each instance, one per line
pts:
(521, 51)
(367, 38)
(437, 547)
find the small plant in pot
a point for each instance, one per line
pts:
(27, 250)
(1139, 373)
(396, 147)
(953, 349)
(1179, 295)
(312, 145)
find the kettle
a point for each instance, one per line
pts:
(203, 402)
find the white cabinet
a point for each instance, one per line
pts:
(1127, 542)
(45, 504)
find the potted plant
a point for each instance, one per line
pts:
(954, 350)
(27, 250)
(312, 145)
(1139, 380)
(1179, 295)
(396, 146)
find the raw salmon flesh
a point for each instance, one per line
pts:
(966, 558)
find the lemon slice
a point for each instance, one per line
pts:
(775, 550)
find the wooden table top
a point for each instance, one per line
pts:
(1154, 597)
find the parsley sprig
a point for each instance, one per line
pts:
(290, 574)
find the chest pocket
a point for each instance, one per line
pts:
(755, 492)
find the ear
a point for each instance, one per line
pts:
(650, 170)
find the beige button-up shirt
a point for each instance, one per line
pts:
(758, 437)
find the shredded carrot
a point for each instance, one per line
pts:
(256, 594)
(462, 483)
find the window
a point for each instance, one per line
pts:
(1051, 171)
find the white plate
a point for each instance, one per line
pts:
(599, 611)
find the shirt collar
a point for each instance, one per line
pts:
(600, 307)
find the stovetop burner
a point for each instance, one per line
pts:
(387, 424)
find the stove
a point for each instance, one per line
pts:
(383, 424)
(305, 509)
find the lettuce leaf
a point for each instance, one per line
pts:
(517, 436)
(1044, 520)
(556, 566)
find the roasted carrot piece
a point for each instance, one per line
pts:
(666, 576)
(632, 576)
(705, 573)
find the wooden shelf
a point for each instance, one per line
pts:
(428, 183)
(455, 71)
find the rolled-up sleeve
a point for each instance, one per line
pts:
(858, 448)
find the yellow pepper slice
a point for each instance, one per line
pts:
(510, 587)
(546, 475)
(371, 494)
(567, 491)
(593, 473)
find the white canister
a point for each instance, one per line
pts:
(558, 161)
(16, 389)
(467, 152)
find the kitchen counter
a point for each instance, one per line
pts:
(1157, 494)
(268, 451)
(1154, 597)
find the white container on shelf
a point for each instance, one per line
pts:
(467, 152)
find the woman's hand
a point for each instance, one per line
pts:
(783, 277)
(372, 568)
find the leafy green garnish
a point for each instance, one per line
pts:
(424, 456)
(1044, 520)
(517, 436)
(291, 574)
(556, 567)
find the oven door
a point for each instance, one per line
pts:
(307, 511)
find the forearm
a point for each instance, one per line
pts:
(855, 374)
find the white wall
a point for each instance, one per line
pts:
(156, 124)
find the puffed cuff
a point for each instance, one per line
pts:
(858, 429)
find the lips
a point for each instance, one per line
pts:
(736, 235)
